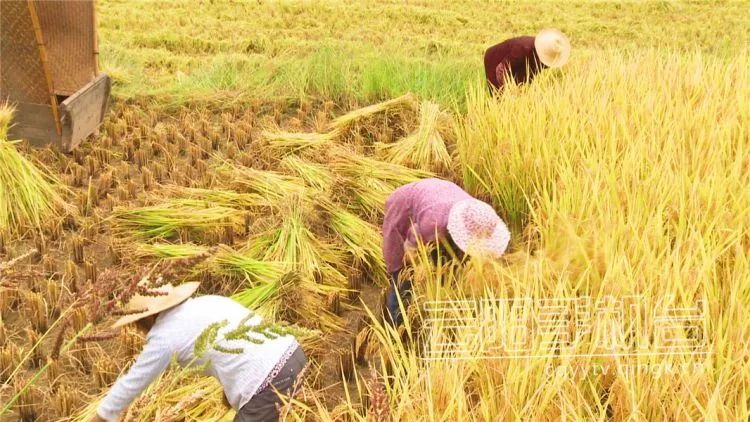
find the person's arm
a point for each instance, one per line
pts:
(396, 223)
(501, 72)
(153, 360)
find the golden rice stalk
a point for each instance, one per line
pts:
(104, 371)
(341, 123)
(35, 310)
(315, 175)
(29, 194)
(283, 143)
(425, 148)
(170, 251)
(65, 401)
(168, 219)
(10, 358)
(29, 402)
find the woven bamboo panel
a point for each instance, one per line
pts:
(21, 72)
(68, 28)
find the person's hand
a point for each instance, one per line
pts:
(97, 418)
(410, 252)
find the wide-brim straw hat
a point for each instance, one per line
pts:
(476, 229)
(552, 47)
(170, 297)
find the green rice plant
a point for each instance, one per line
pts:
(363, 240)
(222, 197)
(425, 148)
(315, 175)
(168, 219)
(29, 194)
(284, 143)
(170, 250)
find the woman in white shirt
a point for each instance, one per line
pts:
(172, 321)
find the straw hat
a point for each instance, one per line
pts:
(155, 304)
(477, 229)
(552, 47)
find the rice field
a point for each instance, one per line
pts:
(251, 146)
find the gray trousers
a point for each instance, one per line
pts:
(264, 406)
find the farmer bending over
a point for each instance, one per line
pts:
(434, 210)
(523, 57)
(172, 324)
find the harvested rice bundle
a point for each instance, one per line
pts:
(172, 217)
(315, 175)
(270, 185)
(170, 251)
(283, 143)
(229, 261)
(292, 298)
(369, 196)
(363, 241)
(404, 102)
(176, 395)
(370, 181)
(294, 244)
(29, 194)
(225, 198)
(359, 166)
(425, 148)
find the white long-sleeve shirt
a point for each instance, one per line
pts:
(175, 333)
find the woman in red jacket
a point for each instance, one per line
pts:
(522, 58)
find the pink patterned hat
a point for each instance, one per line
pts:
(477, 229)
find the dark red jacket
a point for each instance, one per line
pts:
(517, 56)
